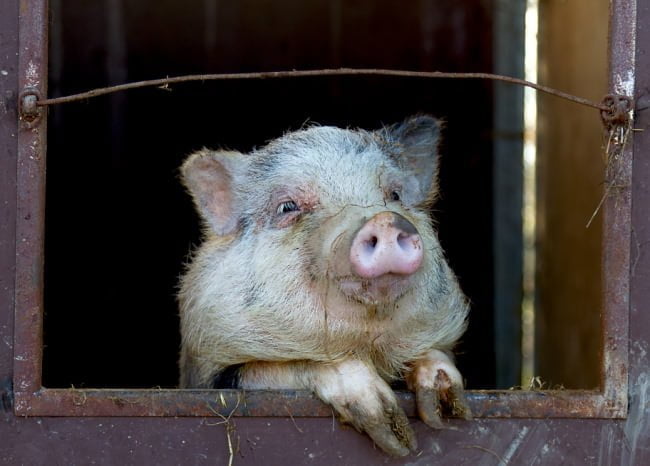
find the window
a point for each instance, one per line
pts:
(109, 160)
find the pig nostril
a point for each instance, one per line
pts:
(401, 239)
(373, 241)
(407, 241)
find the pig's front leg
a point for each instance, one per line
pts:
(352, 387)
(438, 388)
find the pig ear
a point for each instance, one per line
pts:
(417, 141)
(211, 178)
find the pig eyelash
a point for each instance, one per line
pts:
(286, 207)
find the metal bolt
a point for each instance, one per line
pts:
(30, 112)
(29, 104)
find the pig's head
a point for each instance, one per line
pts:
(345, 211)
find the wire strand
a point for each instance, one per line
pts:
(316, 73)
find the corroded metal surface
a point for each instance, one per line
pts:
(32, 65)
(288, 440)
(215, 403)
(617, 217)
(637, 427)
(32, 400)
(8, 145)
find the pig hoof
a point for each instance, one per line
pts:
(361, 398)
(390, 429)
(443, 399)
(439, 390)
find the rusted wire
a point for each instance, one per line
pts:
(617, 112)
(603, 107)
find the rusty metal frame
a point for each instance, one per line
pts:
(31, 399)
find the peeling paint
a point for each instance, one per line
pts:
(639, 351)
(435, 448)
(32, 77)
(624, 84)
(514, 446)
(545, 449)
(637, 426)
(624, 47)
(606, 445)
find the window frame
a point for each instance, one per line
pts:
(31, 399)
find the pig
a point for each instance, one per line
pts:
(320, 269)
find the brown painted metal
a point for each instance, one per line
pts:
(270, 441)
(617, 218)
(638, 423)
(283, 441)
(492, 403)
(8, 145)
(32, 400)
(30, 215)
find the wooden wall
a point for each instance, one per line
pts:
(573, 57)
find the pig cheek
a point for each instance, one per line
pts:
(314, 250)
(296, 236)
(334, 247)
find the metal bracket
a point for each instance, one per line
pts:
(29, 110)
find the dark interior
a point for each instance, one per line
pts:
(119, 226)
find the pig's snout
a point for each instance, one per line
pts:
(387, 243)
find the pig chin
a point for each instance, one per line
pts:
(381, 290)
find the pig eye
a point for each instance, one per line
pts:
(394, 196)
(285, 207)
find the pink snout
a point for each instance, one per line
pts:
(387, 243)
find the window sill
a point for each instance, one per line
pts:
(208, 403)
